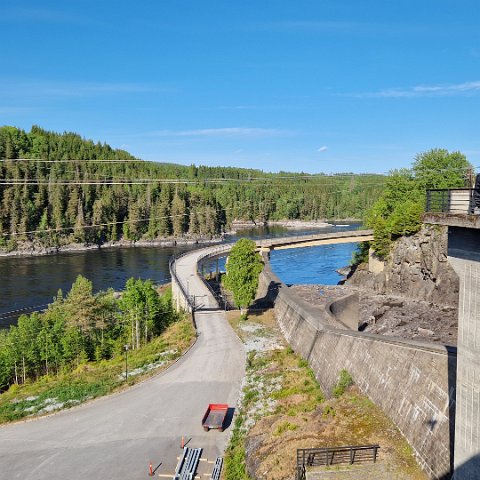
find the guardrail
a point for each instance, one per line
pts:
(317, 457)
(216, 251)
(452, 200)
(173, 273)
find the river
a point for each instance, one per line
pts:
(29, 283)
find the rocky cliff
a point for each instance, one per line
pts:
(417, 269)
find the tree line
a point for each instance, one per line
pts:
(399, 208)
(82, 327)
(54, 200)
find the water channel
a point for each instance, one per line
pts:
(28, 283)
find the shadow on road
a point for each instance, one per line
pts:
(228, 417)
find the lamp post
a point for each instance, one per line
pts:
(126, 347)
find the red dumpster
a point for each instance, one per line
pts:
(214, 416)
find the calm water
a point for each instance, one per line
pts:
(312, 264)
(31, 282)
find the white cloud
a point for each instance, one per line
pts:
(220, 132)
(322, 149)
(73, 89)
(466, 88)
(41, 15)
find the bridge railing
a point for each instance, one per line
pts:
(292, 239)
(188, 301)
(212, 253)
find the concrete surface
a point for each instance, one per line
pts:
(116, 437)
(465, 259)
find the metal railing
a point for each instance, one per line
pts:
(452, 200)
(222, 300)
(173, 272)
(317, 457)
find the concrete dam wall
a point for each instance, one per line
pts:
(413, 382)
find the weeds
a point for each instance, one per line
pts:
(345, 380)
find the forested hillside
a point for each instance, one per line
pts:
(57, 189)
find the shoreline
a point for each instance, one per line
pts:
(293, 224)
(35, 250)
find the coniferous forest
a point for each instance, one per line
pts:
(57, 189)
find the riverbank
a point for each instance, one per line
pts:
(36, 249)
(243, 224)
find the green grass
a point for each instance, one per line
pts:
(284, 427)
(235, 467)
(93, 379)
(345, 380)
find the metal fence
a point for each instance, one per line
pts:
(316, 457)
(456, 200)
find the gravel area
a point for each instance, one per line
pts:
(391, 315)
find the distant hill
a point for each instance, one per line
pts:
(68, 189)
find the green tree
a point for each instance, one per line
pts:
(439, 168)
(243, 268)
(399, 209)
(141, 307)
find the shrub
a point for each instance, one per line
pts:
(344, 381)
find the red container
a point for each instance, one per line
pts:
(214, 416)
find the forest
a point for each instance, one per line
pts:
(58, 189)
(82, 327)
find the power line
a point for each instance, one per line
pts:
(41, 182)
(119, 222)
(274, 175)
(148, 219)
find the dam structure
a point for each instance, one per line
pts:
(413, 382)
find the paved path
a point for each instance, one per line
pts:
(115, 437)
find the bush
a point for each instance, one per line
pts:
(398, 211)
(344, 381)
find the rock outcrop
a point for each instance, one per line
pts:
(417, 269)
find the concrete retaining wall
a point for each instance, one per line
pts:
(414, 383)
(346, 310)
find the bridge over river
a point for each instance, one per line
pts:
(299, 241)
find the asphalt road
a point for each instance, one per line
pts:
(116, 437)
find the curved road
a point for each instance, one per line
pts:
(116, 437)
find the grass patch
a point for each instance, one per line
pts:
(284, 427)
(95, 379)
(235, 467)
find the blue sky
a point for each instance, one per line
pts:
(304, 85)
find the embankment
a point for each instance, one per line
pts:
(413, 382)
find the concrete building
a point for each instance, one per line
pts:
(453, 208)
